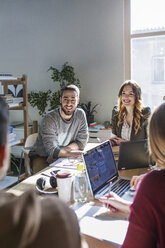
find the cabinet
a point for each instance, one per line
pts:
(97, 136)
(5, 82)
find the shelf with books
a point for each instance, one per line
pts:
(16, 102)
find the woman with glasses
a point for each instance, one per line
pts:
(129, 118)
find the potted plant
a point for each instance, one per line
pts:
(89, 110)
(15, 164)
(50, 99)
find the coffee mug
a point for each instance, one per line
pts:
(64, 185)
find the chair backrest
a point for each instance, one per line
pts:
(25, 152)
(30, 140)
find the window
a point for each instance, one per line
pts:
(158, 69)
(145, 48)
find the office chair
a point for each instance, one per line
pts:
(25, 153)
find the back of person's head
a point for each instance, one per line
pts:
(53, 224)
(71, 87)
(157, 135)
(3, 122)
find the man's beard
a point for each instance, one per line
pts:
(67, 112)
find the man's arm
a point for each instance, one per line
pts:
(82, 135)
(49, 133)
(69, 152)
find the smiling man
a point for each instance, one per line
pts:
(63, 132)
(29, 221)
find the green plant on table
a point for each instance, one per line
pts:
(89, 110)
(87, 107)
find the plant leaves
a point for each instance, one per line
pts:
(42, 100)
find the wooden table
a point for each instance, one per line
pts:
(30, 182)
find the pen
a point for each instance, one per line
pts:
(109, 191)
(110, 184)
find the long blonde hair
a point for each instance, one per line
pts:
(138, 105)
(157, 135)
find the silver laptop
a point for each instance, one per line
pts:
(101, 170)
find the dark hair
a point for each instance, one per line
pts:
(4, 118)
(70, 87)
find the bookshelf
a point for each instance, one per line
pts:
(23, 106)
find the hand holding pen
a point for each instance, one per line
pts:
(115, 203)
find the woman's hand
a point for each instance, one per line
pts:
(136, 180)
(116, 204)
(116, 141)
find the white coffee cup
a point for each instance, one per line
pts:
(64, 185)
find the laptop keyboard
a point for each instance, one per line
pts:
(120, 186)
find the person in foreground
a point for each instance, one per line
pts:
(64, 131)
(129, 118)
(29, 221)
(147, 212)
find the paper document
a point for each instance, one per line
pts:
(100, 223)
(70, 163)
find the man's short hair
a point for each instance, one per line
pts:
(4, 118)
(70, 87)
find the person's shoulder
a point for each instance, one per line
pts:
(115, 110)
(51, 114)
(79, 112)
(153, 179)
(146, 111)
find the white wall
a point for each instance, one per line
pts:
(36, 34)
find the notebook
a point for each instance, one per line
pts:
(101, 170)
(134, 154)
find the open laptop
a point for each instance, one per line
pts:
(101, 170)
(133, 155)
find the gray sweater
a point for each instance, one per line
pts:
(54, 133)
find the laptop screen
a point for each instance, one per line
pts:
(100, 165)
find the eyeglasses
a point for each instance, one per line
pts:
(123, 94)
